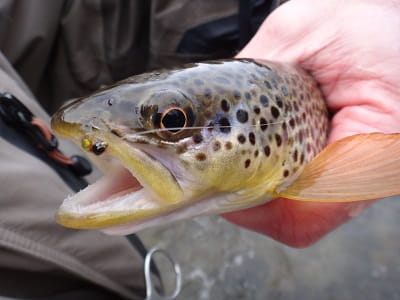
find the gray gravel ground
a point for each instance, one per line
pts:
(360, 260)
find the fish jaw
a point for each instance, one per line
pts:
(115, 199)
(209, 205)
(143, 187)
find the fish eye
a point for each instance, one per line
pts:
(174, 119)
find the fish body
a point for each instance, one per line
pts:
(205, 138)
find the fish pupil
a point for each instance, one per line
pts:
(174, 119)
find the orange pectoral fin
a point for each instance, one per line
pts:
(359, 167)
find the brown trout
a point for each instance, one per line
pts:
(210, 138)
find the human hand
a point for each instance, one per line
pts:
(352, 49)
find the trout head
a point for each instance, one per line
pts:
(169, 150)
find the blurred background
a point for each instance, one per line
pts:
(360, 260)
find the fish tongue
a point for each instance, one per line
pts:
(112, 185)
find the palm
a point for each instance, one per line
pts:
(355, 61)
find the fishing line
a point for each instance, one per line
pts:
(193, 128)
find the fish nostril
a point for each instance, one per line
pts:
(99, 147)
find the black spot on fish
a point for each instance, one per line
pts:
(242, 116)
(201, 156)
(278, 140)
(247, 95)
(304, 116)
(267, 84)
(256, 109)
(308, 147)
(217, 146)
(237, 95)
(252, 138)
(241, 138)
(197, 138)
(292, 123)
(267, 150)
(284, 127)
(275, 112)
(224, 125)
(286, 173)
(181, 149)
(228, 145)
(247, 163)
(225, 105)
(264, 100)
(278, 101)
(263, 124)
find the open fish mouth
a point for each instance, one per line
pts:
(139, 191)
(135, 187)
(117, 198)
